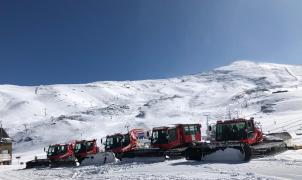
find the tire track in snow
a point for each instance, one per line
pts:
(16, 175)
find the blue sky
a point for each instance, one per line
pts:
(72, 41)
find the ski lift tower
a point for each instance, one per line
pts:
(207, 115)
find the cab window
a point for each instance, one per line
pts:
(191, 129)
(126, 140)
(159, 137)
(172, 134)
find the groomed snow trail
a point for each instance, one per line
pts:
(287, 165)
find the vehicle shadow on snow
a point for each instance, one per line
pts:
(137, 162)
(194, 163)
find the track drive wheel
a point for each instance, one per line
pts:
(247, 152)
(193, 154)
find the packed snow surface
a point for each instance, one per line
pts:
(41, 115)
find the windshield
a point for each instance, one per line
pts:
(89, 145)
(84, 146)
(159, 137)
(113, 142)
(57, 150)
(231, 131)
(191, 129)
(80, 147)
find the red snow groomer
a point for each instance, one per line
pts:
(134, 144)
(240, 138)
(83, 152)
(84, 148)
(56, 155)
(175, 139)
(62, 155)
(88, 153)
(165, 141)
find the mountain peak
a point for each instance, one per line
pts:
(241, 64)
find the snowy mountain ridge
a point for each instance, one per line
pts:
(36, 116)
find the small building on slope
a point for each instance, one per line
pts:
(5, 148)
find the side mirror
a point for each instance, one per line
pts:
(210, 128)
(103, 141)
(44, 149)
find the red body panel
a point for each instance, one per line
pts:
(256, 137)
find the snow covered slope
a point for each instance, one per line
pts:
(38, 116)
